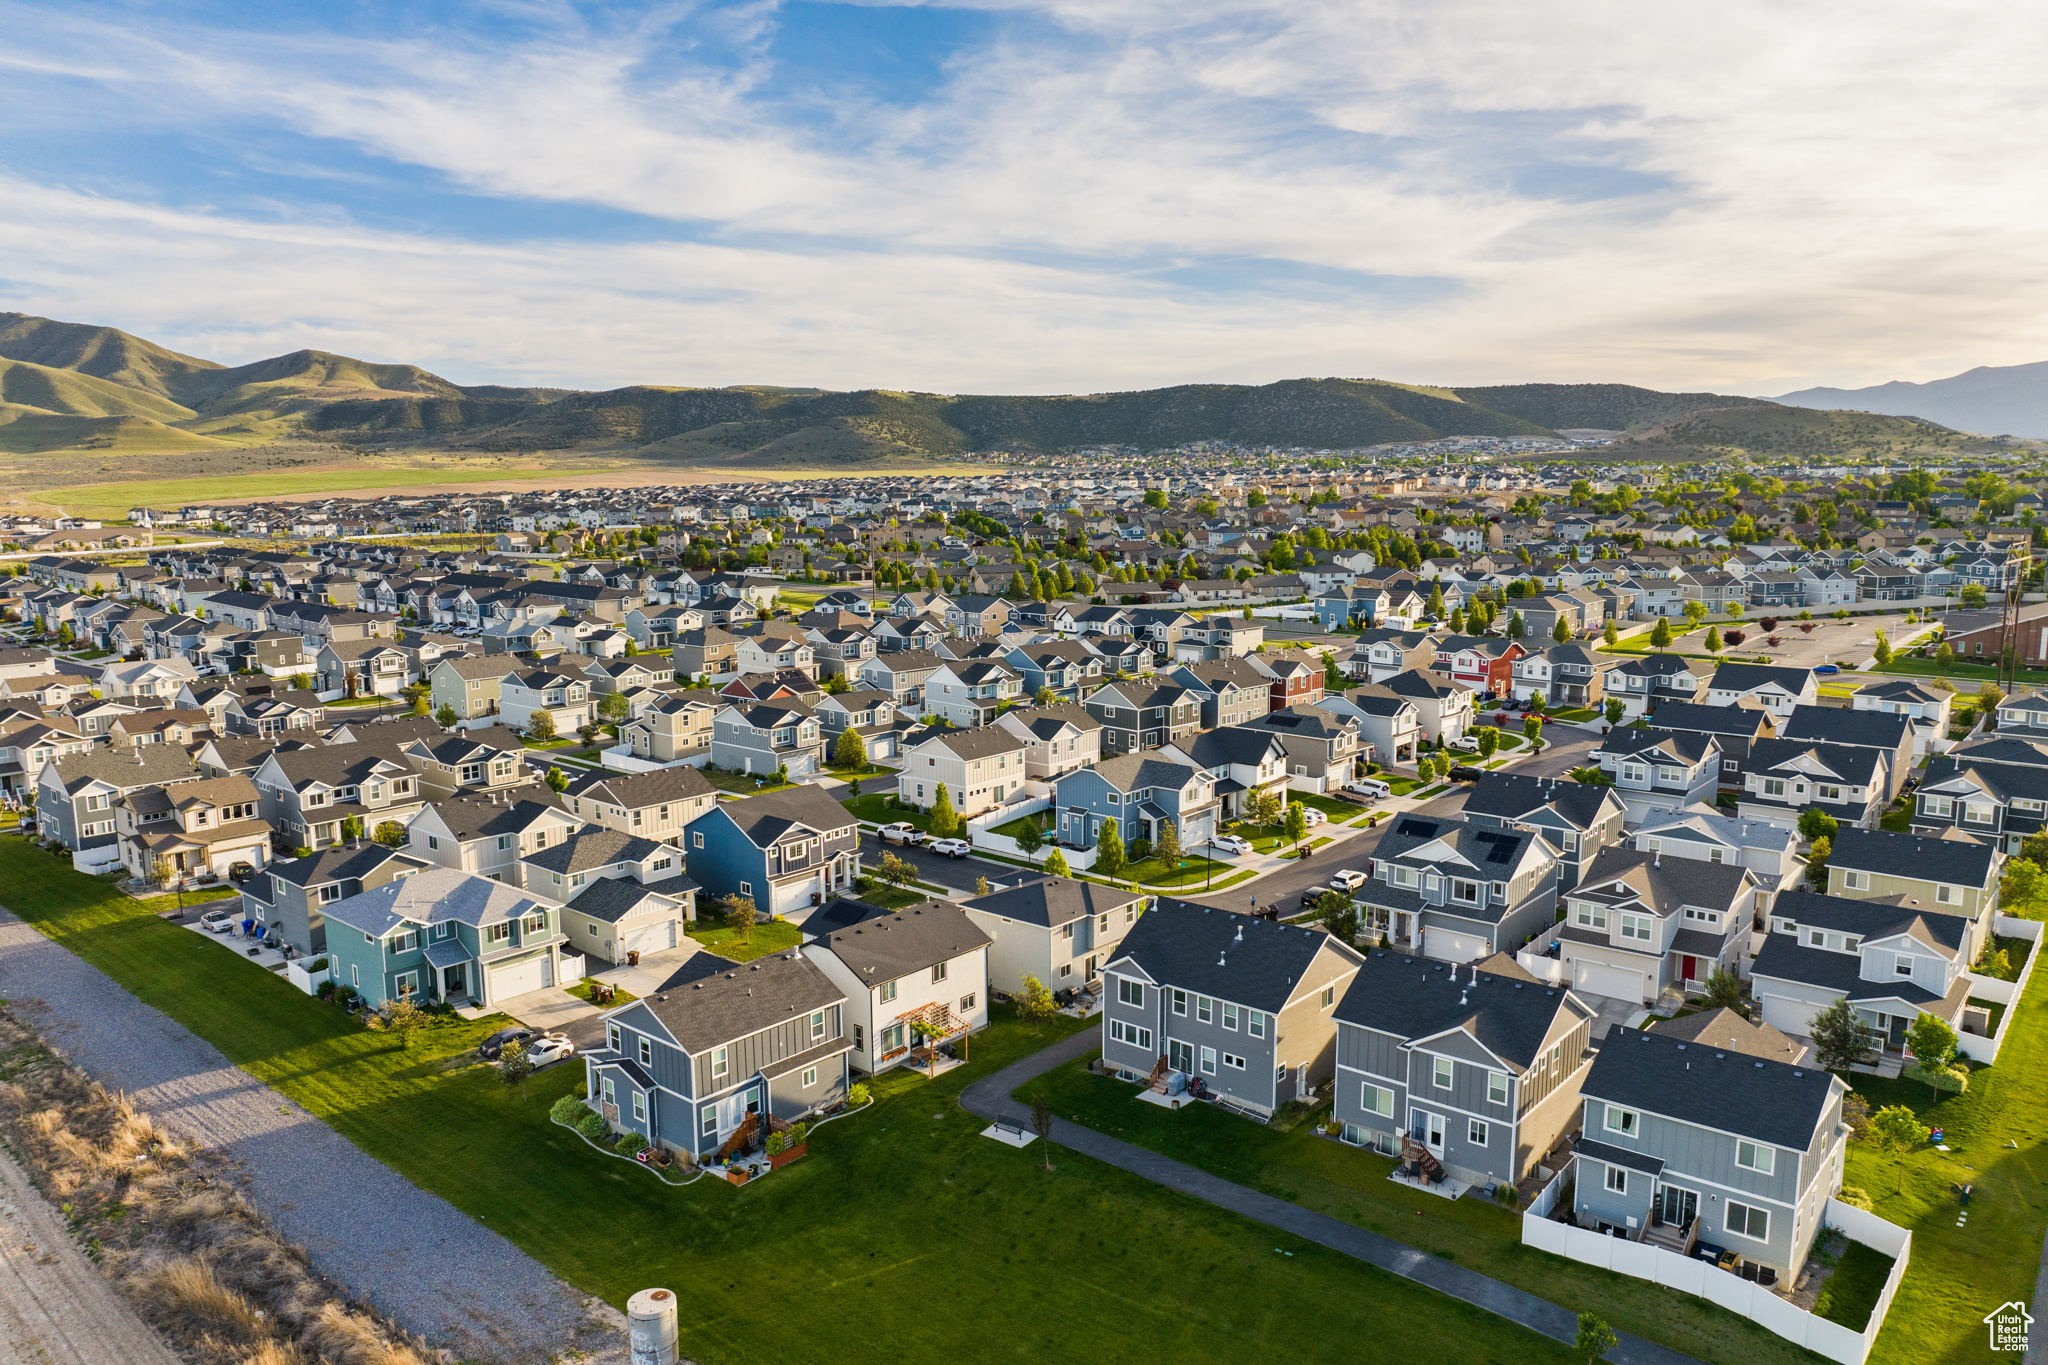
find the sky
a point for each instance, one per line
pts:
(1040, 195)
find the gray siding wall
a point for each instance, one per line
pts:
(790, 1098)
(751, 1054)
(1253, 1085)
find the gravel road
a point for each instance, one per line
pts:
(411, 1254)
(55, 1306)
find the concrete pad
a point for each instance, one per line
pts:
(548, 1008)
(1011, 1137)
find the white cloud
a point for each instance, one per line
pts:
(1832, 192)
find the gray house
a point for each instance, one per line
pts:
(1685, 1143)
(1640, 924)
(1247, 1005)
(1577, 819)
(1656, 772)
(1457, 890)
(291, 897)
(718, 1046)
(1478, 1066)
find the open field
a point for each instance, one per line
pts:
(902, 1236)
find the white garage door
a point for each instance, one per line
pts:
(1788, 1014)
(1597, 978)
(1446, 946)
(518, 978)
(651, 938)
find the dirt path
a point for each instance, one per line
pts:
(55, 1306)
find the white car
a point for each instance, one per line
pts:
(550, 1048)
(1465, 744)
(953, 848)
(1233, 844)
(1313, 816)
(902, 832)
(1368, 786)
(1347, 879)
(218, 921)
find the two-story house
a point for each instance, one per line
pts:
(1478, 1066)
(1639, 924)
(719, 1046)
(312, 796)
(1889, 735)
(760, 737)
(443, 935)
(1141, 792)
(981, 769)
(654, 805)
(1644, 682)
(1770, 851)
(1891, 962)
(1389, 727)
(1734, 728)
(787, 851)
(362, 668)
(563, 696)
(290, 897)
(472, 685)
(1231, 691)
(1325, 748)
(1926, 707)
(971, 692)
(1457, 890)
(902, 674)
(621, 895)
(1055, 929)
(1063, 668)
(487, 833)
(77, 796)
(1058, 738)
(913, 981)
(1143, 715)
(1773, 687)
(1576, 819)
(1443, 709)
(1658, 771)
(1785, 777)
(1685, 1143)
(1951, 873)
(192, 831)
(1243, 759)
(1246, 1005)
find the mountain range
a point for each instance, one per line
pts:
(2009, 400)
(68, 386)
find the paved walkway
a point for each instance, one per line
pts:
(990, 1098)
(411, 1254)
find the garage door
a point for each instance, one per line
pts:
(1787, 1013)
(1597, 978)
(517, 978)
(1446, 946)
(652, 938)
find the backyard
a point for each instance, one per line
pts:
(949, 1245)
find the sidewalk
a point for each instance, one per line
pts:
(991, 1098)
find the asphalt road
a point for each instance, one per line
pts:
(959, 874)
(1569, 749)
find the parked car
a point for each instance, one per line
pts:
(1234, 844)
(1314, 894)
(1827, 668)
(490, 1048)
(953, 848)
(241, 872)
(550, 1048)
(1313, 816)
(902, 832)
(1465, 744)
(1347, 879)
(1465, 772)
(1369, 787)
(218, 921)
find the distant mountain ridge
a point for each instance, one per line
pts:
(73, 386)
(1997, 400)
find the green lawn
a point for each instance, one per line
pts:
(746, 784)
(620, 995)
(903, 1236)
(1959, 1274)
(1010, 829)
(876, 810)
(775, 936)
(1959, 670)
(1351, 1184)
(1851, 1292)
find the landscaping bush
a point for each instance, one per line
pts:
(325, 990)
(1955, 1078)
(569, 1110)
(858, 1094)
(1855, 1198)
(630, 1144)
(1138, 850)
(593, 1126)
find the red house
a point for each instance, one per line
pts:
(1485, 664)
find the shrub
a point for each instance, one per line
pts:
(1855, 1198)
(630, 1144)
(346, 996)
(1138, 850)
(593, 1126)
(569, 1110)
(325, 990)
(859, 1093)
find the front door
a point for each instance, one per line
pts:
(1689, 966)
(453, 982)
(1680, 1206)
(1180, 1056)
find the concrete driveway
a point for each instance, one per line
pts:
(550, 1008)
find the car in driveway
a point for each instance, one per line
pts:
(1465, 744)
(1236, 845)
(491, 1048)
(1827, 668)
(902, 832)
(218, 921)
(1313, 816)
(550, 1048)
(953, 848)
(1370, 787)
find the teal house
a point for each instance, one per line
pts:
(444, 934)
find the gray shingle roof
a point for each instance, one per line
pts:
(1053, 901)
(1255, 962)
(710, 1001)
(878, 950)
(1960, 860)
(1773, 1102)
(437, 895)
(1413, 997)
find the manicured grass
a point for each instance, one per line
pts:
(620, 995)
(746, 784)
(1010, 829)
(1351, 1184)
(952, 1247)
(1338, 811)
(893, 897)
(1958, 1274)
(1851, 1291)
(1191, 871)
(876, 810)
(765, 940)
(1927, 668)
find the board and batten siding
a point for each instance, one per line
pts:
(745, 1056)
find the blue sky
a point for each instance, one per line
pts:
(1036, 195)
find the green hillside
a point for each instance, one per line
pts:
(35, 433)
(101, 352)
(1768, 428)
(1598, 407)
(69, 393)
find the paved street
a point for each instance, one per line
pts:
(957, 873)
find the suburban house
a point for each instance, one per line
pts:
(1389, 728)
(1977, 791)
(443, 935)
(1140, 792)
(655, 805)
(1056, 929)
(318, 794)
(1458, 890)
(719, 1046)
(1770, 851)
(1787, 776)
(1658, 771)
(1325, 749)
(291, 896)
(1243, 760)
(1644, 682)
(1685, 1143)
(1639, 924)
(912, 980)
(1143, 715)
(1577, 819)
(470, 684)
(971, 692)
(1231, 691)
(787, 851)
(673, 729)
(192, 831)
(77, 796)
(1890, 736)
(764, 736)
(622, 896)
(1479, 1066)
(526, 694)
(1927, 707)
(1772, 687)
(1951, 873)
(982, 770)
(1245, 1004)
(1733, 728)
(489, 832)
(1891, 962)
(1058, 738)
(1443, 708)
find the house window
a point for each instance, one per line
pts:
(1621, 1120)
(1208, 1062)
(711, 1121)
(1205, 1009)
(1441, 1071)
(1745, 1220)
(1635, 928)
(1902, 966)
(817, 1024)
(1233, 1061)
(938, 973)
(1617, 1180)
(1476, 1132)
(719, 1062)
(747, 890)
(1496, 1088)
(640, 1107)
(405, 942)
(1946, 894)
(1230, 1016)
(1329, 996)
(1376, 1099)
(696, 838)
(1255, 1023)
(887, 992)
(646, 1052)
(1754, 1156)
(406, 984)
(859, 1039)
(810, 1077)
(1128, 992)
(611, 1037)
(967, 1001)
(1130, 1035)
(1592, 917)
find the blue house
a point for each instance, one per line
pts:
(787, 851)
(1343, 608)
(1140, 792)
(442, 934)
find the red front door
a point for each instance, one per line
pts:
(1689, 967)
